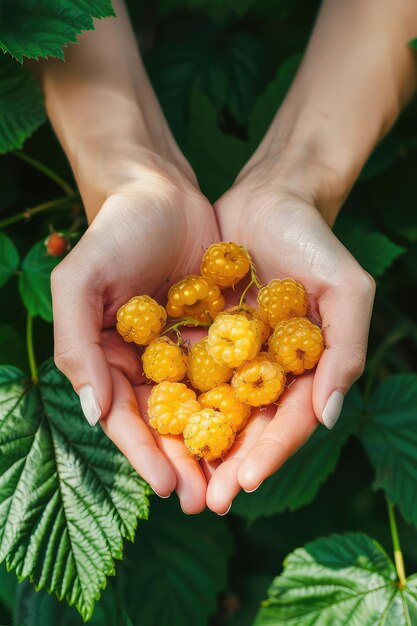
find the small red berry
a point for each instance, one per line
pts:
(57, 244)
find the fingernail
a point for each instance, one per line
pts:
(333, 409)
(89, 405)
(159, 495)
(226, 512)
(252, 490)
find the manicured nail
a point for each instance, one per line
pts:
(333, 409)
(89, 405)
(226, 512)
(159, 495)
(252, 490)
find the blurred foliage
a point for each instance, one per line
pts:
(220, 68)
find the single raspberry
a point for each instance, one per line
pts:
(203, 371)
(297, 344)
(164, 360)
(196, 297)
(225, 263)
(57, 244)
(223, 399)
(233, 339)
(259, 382)
(208, 434)
(252, 314)
(169, 407)
(140, 320)
(280, 300)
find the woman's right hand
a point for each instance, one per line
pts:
(150, 231)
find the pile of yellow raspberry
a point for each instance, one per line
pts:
(205, 392)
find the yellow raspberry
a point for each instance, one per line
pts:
(233, 339)
(252, 314)
(280, 300)
(297, 344)
(259, 382)
(208, 434)
(225, 263)
(203, 371)
(140, 320)
(169, 407)
(164, 360)
(196, 297)
(223, 399)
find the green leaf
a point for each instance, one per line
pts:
(216, 158)
(34, 608)
(292, 486)
(21, 103)
(67, 496)
(183, 565)
(34, 282)
(389, 436)
(9, 259)
(268, 103)
(43, 28)
(339, 580)
(373, 250)
(413, 44)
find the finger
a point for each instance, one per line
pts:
(125, 427)
(191, 484)
(292, 425)
(78, 315)
(224, 485)
(123, 356)
(346, 313)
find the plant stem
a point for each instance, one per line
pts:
(398, 555)
(45, 170)
(185, 321)
(30, 350)
(58, 203)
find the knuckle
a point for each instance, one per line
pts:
(366, 283)
(66, 361)
(357, 362)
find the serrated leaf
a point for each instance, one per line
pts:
(373, 250)
(268, 103)
(34, 608)
(21, 103)
(216, 158)
(43, 28)
(389, 435)
(183, 566)
(299, 480)
(67, 496)
(339, 580)
(34, 282)
(9, 259)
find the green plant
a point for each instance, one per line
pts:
(68, 499)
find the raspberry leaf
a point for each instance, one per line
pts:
(43, 28)
(183, 566)
(67, 496)
(34, 282)
(21, 103)
(9, 259)
(293, 486)
(389, 435)
(373, 250)
(338, 580)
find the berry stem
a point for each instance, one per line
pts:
(185, 321)
(44, 169)
(30, 350)
(58, 203)
(254, 280)
(398, 555)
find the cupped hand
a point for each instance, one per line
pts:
(150, 231)
(276, 215)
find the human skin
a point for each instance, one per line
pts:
(149, 223)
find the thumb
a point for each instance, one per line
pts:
(78, 318)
